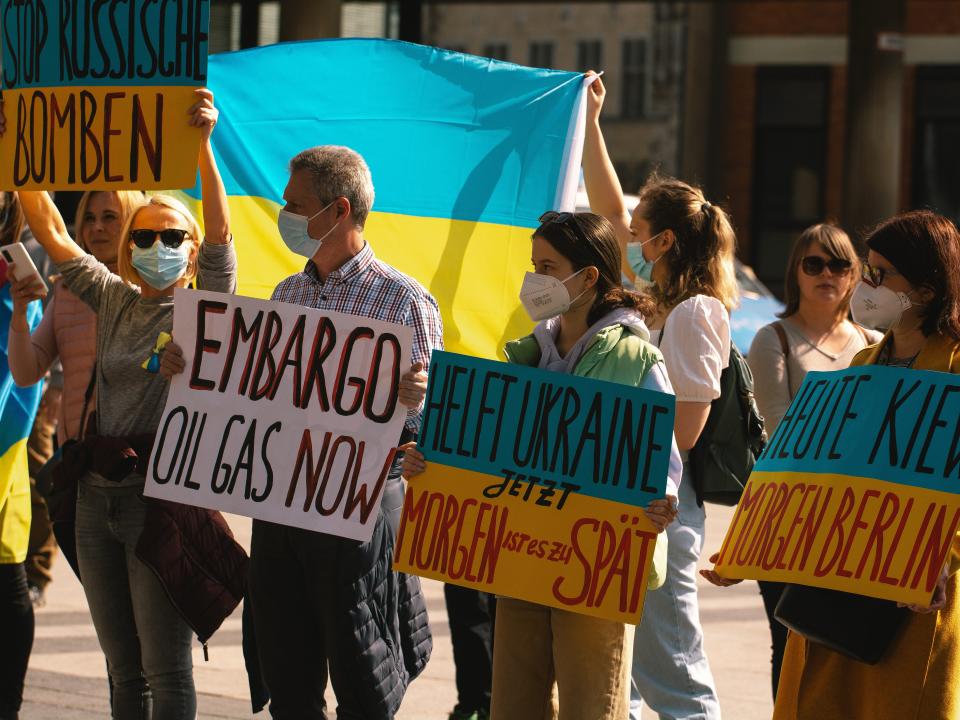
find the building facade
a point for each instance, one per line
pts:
(789, 112)
(827, 115)
(640, 46)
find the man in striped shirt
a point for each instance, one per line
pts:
(297, 605)
(313, 611)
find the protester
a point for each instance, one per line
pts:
(42, 546)
(814, 334)
(687, 244)
(911, 285)
(144, 593)
(302, 628)
(471, 615)
(590, 326)
(16, 609)
(67, 334)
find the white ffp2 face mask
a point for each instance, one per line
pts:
(878, 307)
(543, 296)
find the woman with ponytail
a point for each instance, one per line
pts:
(587, 325)
(684, 250)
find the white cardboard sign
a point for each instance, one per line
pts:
(283, 413)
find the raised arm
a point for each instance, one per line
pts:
(44, 218)
(47, 225)
(599, 177)
(216, 211)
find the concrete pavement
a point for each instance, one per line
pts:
(67, 679)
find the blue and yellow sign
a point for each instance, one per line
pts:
(96, 93)
(858, 489)
(535, 486)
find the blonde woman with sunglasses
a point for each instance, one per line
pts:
(814, 333)
(144, 626)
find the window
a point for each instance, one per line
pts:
(497, 51)
(936, 172)
(238, 24)
(541, 54)
(224, 30)
(633, 103)
(367, 20)
(589, 55)
(790, 163)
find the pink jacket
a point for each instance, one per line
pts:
(68, 330)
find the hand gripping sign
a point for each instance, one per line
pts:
(535, 486)
(857, 490)
(283, 413)
(96, 93)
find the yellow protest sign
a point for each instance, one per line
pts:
(96, 94)
(857, 489)
(535, 486)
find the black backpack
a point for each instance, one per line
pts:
(732, 438)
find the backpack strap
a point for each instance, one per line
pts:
(785, 349)
(87, 395)
(863, 333)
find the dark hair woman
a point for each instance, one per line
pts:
(588, 325)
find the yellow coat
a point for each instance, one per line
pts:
(919, 677)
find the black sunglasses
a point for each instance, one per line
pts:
(564, 218)
(813, 265)
(171, 237)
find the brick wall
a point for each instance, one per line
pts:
(933, 17)
(908, 137)
(788, 17)
(737, 157)
(836, 139)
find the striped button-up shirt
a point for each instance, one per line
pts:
(366, 287)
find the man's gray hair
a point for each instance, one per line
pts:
(338, 171)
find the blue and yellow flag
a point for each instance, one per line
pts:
(18, 408)
(466, 153)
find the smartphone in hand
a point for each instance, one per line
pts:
(16, 254)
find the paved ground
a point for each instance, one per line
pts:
(66, 680)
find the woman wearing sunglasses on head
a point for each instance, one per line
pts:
(588, 325)
(145, 637)
(813, 334)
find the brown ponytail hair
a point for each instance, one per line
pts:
(701, 259)
(11, 218)
(586, 240)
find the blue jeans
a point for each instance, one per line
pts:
(670, 669)
(146, 642)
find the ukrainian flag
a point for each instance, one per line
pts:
(18, 408)
(466, 153)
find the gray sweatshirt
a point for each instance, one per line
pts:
(130, 400)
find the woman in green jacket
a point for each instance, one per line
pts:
(588, 325)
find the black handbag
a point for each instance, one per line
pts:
(857, 626)
(60, 500)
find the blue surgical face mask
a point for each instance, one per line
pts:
(642, 267)
(293, 231)
(160, 266)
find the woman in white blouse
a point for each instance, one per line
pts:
(687, 245)
(813, 334)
